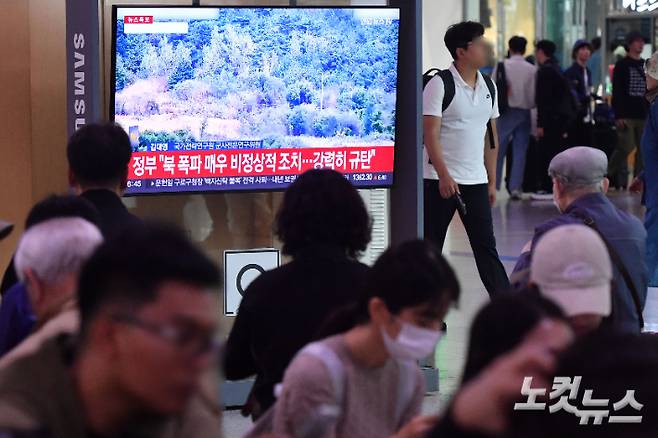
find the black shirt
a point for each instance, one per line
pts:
(447, 428)
(629, 86)
(576, 77)
(283, 309)
(553, 96)
(114, 216)
(9, 278)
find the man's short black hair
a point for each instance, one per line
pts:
(56, 206)
(579, 45)
(99, 155)
(322, 208)
(128, 270)
(546, 46)
(461, 34)
(596, 43)
(633, 36)
(517, 44)
(489, 339)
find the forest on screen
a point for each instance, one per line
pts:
(292, 78)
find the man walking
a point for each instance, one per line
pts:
(518, 76)
(459, 165)
(630, 107)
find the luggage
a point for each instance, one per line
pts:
(604, 132)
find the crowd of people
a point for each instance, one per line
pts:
(545, 109)
(95, 343)
(109, 323)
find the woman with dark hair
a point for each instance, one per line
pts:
(365, 382)
(514, 336)
(501, 325)
(323, 208)
(324, 225)
(619, 372)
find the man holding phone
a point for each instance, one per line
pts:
(459, 156)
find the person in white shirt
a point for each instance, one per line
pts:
(459, 165)
(514, 122)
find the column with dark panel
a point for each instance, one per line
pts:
(83, 67)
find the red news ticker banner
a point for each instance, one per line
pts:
(138, 19)
(260, 162)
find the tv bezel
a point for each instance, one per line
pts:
(112, 81)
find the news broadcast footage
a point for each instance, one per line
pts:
(248, 98)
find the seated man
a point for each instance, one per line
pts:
(579, 280)
(622, 369)
(147, 330)
(579, 188)
(17, 318)
(488, 406)
(48, 260)
(484, 406)
(98, 157)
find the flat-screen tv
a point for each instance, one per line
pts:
(248, 98)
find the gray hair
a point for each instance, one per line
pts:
(56, 248)
(577, 186)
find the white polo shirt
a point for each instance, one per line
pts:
(463, 127)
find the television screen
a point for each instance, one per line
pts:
(249, 98)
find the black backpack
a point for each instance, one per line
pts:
(501, 85)
(567, 106)
(449, 93)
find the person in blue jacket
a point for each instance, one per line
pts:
(579, 193)
(649, 177)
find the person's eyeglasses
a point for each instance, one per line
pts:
(188, 340)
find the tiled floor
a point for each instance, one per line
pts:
(514, 223)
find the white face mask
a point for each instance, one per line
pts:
(412, 343)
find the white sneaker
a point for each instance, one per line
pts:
(516, 195)
(541, 196)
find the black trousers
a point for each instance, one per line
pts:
(580, 134)
(439, 213)
(551, 144)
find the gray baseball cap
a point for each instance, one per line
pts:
(580, 165)
(572, 266)
(5, 229)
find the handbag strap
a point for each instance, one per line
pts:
(617, 261)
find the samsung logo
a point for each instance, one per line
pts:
(79, 104)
